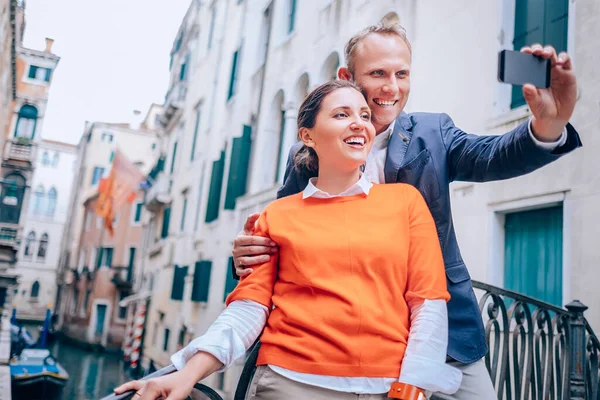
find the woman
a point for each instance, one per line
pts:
(359, 286)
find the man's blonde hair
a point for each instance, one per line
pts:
(382, 28)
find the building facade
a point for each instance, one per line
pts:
(8, 70)
(96, 270)
(247, 65)
(103, 277)
(39, 253)
(33, 78)
(225, 146)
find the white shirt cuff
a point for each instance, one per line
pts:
(424, 364)
(549, 146)
(230, 336)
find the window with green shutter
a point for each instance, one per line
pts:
(174, 157)
(233, 76)
(183, 212)
(138, 212)
(196, 127)
(108, 256)
(211, 31)
(214, 195)
(201, 285)
(539, 21)
(165, 223)
(230, 283)
(238, 168)
(99, 257)
(292, 16)
(131, 263)
(179, 274)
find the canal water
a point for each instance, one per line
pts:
(92, 375)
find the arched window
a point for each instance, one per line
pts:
(13, 189)
(45, 158)
(55, 160)
(35, 290)
(26, 122)
(43, 246)
(51, 202)
(38, 200)
(29, 244)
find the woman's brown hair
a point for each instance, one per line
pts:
(305, 159)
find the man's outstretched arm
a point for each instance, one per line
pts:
(526, 148)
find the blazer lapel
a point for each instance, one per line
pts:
(397, 146)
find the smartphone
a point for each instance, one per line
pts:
(517, 68)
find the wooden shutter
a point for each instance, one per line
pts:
(200, 289)
(179, 274)
(292, 21)
(165, 223)
(533, 253)
(174, 157)
(233, 77)
(539, 21)
(196, 127)
(109, 256)
(99, 257)
(556, 24)
(529, 29)
(238, 169)
(214, 195)
(131, 263)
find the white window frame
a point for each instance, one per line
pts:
(496, 218)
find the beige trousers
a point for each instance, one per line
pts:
(269, 385)
(476, 383)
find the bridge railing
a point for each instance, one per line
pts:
(537, 351)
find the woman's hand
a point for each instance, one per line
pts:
(175, 386)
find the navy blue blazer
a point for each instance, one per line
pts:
(430, 154)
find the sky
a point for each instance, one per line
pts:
(114, 58)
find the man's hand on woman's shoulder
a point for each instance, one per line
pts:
(249, 250)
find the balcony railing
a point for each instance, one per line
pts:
(537, 351)
(123, 277)
(158, 195)
(174, 100)
(9, 235)
(20, 150)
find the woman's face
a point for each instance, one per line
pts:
(343, 134)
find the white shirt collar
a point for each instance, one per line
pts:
(363, 186)
(381, 141)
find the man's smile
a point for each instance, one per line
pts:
(385, 103)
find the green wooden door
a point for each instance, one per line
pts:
(533, 253)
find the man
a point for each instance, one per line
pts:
(428, 152)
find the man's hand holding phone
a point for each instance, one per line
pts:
(551, 107)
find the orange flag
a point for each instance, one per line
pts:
(119, 188)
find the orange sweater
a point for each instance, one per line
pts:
(347, 268)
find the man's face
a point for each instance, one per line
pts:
(382, 71)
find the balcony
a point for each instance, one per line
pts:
(123, 277)
(9, 236)
(20, 150)
(174, 101)
(158, 195)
